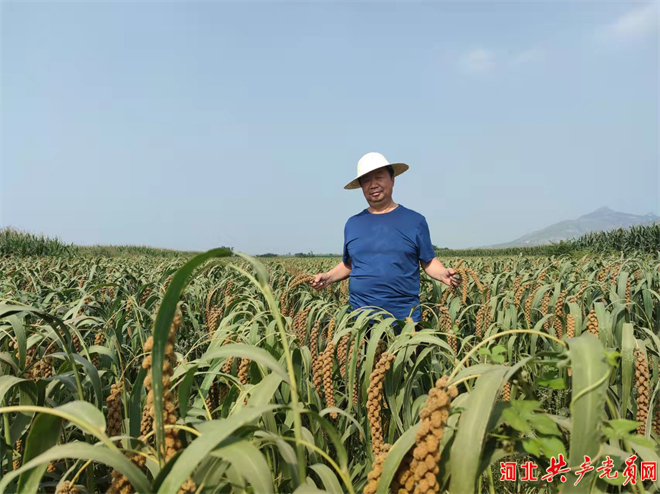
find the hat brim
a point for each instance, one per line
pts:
(399, 168)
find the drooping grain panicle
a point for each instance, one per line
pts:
(475, 277)
(207, 305)
(114, 414)
(592, 323)
(328, 357)
(656, 416)
(172, 442)
(300, 324)
(356, 381)
(445, 326)
(18, 449)
(615, 274)
(373, 477)
(479, 321)
(528, 306)
(167, 282)
(445, 295)
(424, 465)
(516, 282)
(342, 353)
(375, 401)
(99, 340)
(559, 314)
(506, 389)
(642, 380)
(243, 369)
(517, 298)
(544, 309)
(213, 318)
(230, 285)
(145, 295)
(464, 285)
(570, 326)
(328, 387)
(67, 487)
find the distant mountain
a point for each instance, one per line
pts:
(603, 219)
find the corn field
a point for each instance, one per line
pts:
(221, 373)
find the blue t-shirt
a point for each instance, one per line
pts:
(384, 251)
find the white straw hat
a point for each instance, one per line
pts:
(370, 162)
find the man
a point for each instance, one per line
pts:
(384, 246)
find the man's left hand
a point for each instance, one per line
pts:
(450, 278)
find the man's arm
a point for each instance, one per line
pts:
(434, 268)
(340, 272)
(437, 271)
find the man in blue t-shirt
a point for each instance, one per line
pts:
(384, 246)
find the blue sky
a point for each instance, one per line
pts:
(195, 125)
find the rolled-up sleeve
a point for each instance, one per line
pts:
(424, 245)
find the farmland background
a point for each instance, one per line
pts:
(157, 371)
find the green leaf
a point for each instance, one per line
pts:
(340, 451)
(7, 382)
(213, 433)
(86, 416)
(641, 441)
(253, 353)
(84, 451)
(161, 332)
(263, 392)
(471, 433)
(308, 488)
(544, 425)
(44, 434)
(590, 380)
(627, 366)
(19, 331)
(286, 452)
(135, 407)
(515, 420)
(552, 380)
(80, 413)
(395, 457)
(65, 338)
(552, 446)
(328, 477)
(91, 373)
(473, 370)
(521, 416)
(184, 390)
(622, 426)
(249, 463)
(557, 383)
(532, 446)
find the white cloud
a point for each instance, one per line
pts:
(527, 56)
(633, 24)
(478, 61)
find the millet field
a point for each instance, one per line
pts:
(218, 372)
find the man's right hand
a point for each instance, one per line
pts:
(321, 281)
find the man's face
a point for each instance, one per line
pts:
(377, 186)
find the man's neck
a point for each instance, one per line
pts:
(384, 208)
